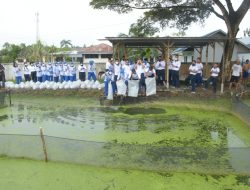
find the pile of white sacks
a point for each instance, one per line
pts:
(55, 85)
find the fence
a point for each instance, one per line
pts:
(128, 156)
(241, 109)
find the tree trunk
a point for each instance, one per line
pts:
(225, 67)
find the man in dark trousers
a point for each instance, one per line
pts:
(2, 76)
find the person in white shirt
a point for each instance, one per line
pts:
(214, 73)
(17, 73)
(65, 72)
(49, 72)
(109, 78)
(151, 72)
(116, 71)
(91, 70)
(32, 69)
(44, 72)
(108, 64)
(82, 72)
(56, 72)
(26, 72)
(199, 73)
(160, 71)
(176, 67)
(72, 72)
(193, 70)
(236, 73)
(140, 70)
(39, 72)
(170, 71)
(61, 72)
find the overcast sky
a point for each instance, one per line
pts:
(75, 20)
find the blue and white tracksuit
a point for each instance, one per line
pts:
(109, 77)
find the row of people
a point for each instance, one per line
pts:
(116, 70)
(57, 72)
(237, 74)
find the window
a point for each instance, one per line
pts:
(91, 56)
(106, 56)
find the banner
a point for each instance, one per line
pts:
(150, 86)
(110, 92)
(133, 88)
(121, 87)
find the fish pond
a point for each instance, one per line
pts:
(160, 145)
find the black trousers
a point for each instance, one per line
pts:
(82, 76)
(212, 80)
(33, 76)
(160, 76)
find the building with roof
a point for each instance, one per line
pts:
(99, 53)
(212, 52)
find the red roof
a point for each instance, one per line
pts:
(98, 49)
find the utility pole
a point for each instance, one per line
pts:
(37, 26)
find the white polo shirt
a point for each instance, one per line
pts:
(237, 69)
(193, 69)
(215, 72)
(176, 65)
(200, 67)
(160, 65)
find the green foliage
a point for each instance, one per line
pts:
(171, 13)
(66, 44)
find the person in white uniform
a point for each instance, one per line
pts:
(26, 72)
(193, 70)
(160, 71)
(176, 65)
(82, 71)
(214, 73)
(199, 73)
(236, 74)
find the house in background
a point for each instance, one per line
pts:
(245, 55)
(215, 51)
(99, 53)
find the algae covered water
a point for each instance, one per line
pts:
(158, 136)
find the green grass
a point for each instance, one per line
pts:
(27, 174)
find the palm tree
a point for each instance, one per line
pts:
(66, 44)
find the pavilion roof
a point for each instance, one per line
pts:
(161, 41)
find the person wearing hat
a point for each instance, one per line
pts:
(82, 72)
(26, 72)
(91, 70)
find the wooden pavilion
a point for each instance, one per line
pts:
(165, 44)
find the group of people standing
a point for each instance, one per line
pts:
(57, 72)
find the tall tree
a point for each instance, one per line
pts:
(181, 13)
(66, 44)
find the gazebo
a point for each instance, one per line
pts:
(164, 44)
